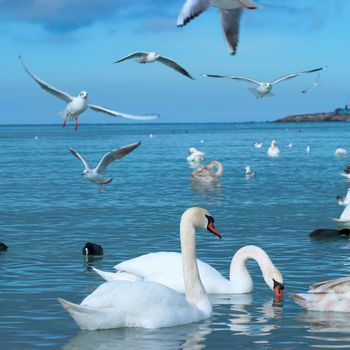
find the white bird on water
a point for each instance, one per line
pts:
(150, 57)
(249, 173)
(94, 175)
(230, 13)
(79, 104)
(273, 151)
(341, 152)
(264, 88)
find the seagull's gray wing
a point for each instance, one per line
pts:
(190, 10)
(149, 116)
(114, 155)
(293, 75)
(230, 25)
(250, 80)
(80, 157)
(172, 64)
(131, 56)
(315, 84)
(50, 89)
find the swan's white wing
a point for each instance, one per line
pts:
(166, 268)
(114, 155)
(250, 80)
(80, 157)
(133, 304)
(293, 75)
(50, 89)
(339, 286)
(172, 64)
(230, 25)
(190, 10)
(131, 56)
(149, 116)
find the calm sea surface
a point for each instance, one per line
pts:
(48, 211)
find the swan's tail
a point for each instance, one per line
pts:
(87, 317)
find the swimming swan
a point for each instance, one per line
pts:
(330, 295)
(166, 268)
(206, 172)
(195, 155)
(273, 151)
(148, 304)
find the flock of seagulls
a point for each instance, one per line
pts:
(166, 288)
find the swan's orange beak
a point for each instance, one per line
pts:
(213, 229)
(278, 290)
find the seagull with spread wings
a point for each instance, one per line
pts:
(94, 175)
(78, 105)
(230, 13)
(150, 57)
(264, 88)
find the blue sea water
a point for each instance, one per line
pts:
(48, 211)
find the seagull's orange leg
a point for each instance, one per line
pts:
(65, 120)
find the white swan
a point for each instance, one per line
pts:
(166, 268)
(206, 172)
(148, 304)
(195, 155)
(333, 295)
(273, 151)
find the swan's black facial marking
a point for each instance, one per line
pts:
(277, 284)
(210, 227)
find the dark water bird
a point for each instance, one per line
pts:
(91, 249)
(324, 233)
(3, 247)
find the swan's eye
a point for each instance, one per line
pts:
(210, 219)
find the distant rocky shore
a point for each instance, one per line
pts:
(338, 115)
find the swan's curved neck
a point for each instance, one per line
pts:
(238, 268)
(219, 167)
(195, 292)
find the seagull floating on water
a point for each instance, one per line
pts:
(264, 88)
(230, 13)
(79, 104)
(249, 173)
(341, 152)
(150, 57)
(94, 175)
(258, 144)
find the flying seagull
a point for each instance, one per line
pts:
(78, 105)
(94, 175)
(264, 89)
(149, 57)
(314, 85)
(230, 13)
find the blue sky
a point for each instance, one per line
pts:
(71, 44)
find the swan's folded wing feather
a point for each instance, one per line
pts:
(149, 116)
(190, 10)
(45, 86)
(114, 155)
(340, 286)
(230, 24)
